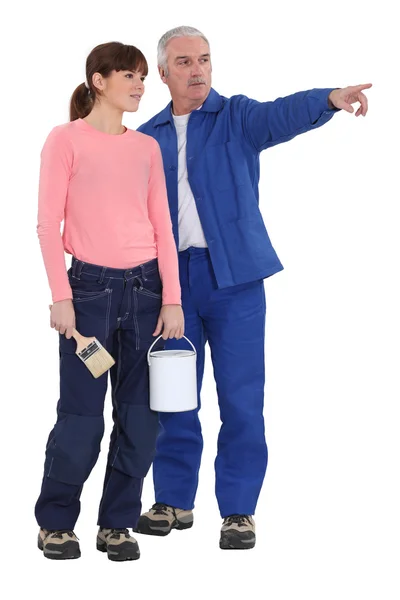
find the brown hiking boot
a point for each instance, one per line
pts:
(118, 544)
(59, 544)
(161, 518)
(238, 533)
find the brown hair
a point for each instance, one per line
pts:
(104, 59)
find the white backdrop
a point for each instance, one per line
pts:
(328, 515)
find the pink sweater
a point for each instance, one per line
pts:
(110, 191)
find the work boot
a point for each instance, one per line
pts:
(238, 533)
(58, 544)
(118, 544)
(161, 518)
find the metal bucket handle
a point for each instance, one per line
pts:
(160, 336)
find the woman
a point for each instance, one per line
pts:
(107, 183)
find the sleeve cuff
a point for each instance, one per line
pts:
(171, 300)
(322, 95)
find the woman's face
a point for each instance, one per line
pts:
(121, 90)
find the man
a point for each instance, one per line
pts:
(211, 146)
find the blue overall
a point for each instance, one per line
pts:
(120, 308)
(222, 286)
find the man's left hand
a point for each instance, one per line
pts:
(345, 97)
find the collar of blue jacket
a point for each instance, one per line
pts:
(213, 103)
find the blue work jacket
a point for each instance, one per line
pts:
(224, 141)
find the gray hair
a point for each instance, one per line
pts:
(182, 31)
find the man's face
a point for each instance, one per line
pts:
(189, 69)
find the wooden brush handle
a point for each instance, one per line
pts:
(81, 341)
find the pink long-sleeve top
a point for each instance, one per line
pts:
(110, 192)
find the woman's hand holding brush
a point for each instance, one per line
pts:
(62, 317)
(88, 349)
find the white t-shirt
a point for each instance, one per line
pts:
(190, 229)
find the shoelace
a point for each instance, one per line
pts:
(58, 533)
(116, 533)
(160, 509)
(241, 520)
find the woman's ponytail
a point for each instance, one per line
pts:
(81, 103)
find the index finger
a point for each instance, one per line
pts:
(364, 86)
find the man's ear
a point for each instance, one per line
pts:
(161, 70)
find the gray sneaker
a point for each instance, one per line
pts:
(238, 532)
(118, 544)
(60, 544)
(161, 518)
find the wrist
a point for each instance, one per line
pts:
(62, 300)
(331, 104)
(170, 304)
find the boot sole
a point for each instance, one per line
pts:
(123, 555)
(235, 542)
(146, 527)
(70, 551)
